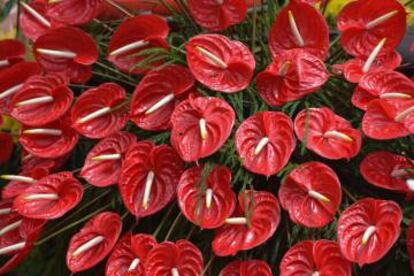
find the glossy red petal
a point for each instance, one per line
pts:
(219, 63)
(67, 190)
(183, 257)
(50, 146)
(246, 268)
(321, 257)
(387, 170)
(311, 194)
(156, 169)
(16, 187)
(200, 126)
(158, 94)
(217, 15)
(7, 146)
(147, 31)
(30, 162)
(368, 229)
(129, 255)
(39, 114)
(357, 39)
(74, 12)
(108, 95)
(410, 243)
(192, 196)
(80, 50)
(381, 119)
(11, 51)
(12, 80)
(105, 228)
(328, 134)
(293, 75)
(103, 173)
(265, 142)
(388, 85)
(264, 215)
(311, 26)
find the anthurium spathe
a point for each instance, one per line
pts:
(74, 12)
(246, 268)
(11, 51)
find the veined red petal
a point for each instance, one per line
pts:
(11, 52)
(74, 12)
(16, 187)
(246, 268)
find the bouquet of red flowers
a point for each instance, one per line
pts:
(207, 137)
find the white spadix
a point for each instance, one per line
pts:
(5, 211)
(88, 245)
(373, 55)
(174, 272)
(318, 196)
(147, 191)
(43, 131)
(203, 129)
(56, 53)
(212, 57)
(12, 248)
(367, 235)
(4, 63)
(295, 30)
(39, 100)
(284, 68)
(42, 196)
(36, 15)
(381, 19)
(115, 156)
(260, 146)
(410, 184)
(129, 47)
(19, 178)
(395, 95)
(160, 103)
(209, 197)
(401, 116)
(236, 220)
(134, 264)
(10, 91)
(337, 135)
(10, 227)
(96, 114)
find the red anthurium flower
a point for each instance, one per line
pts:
(299, 25)
(50, 197)
(157, 94)
(219, 63)
(200, 126)
(11, 51)
(382, 85)
(149, 177)
(134, 35)
(217, 15)
(206, 204)
(19, 183)
(389, 119)
(367, 230)
(7, 146)
(180, 258)
(328, 134)
(93, 242)
(249, 227)
(30, 162)
(311, 194)
(410, 243)
(388, 171)
(321, 257)
(293, 75)
(42, 100)
(100, 111)
(103, 164)
(246, 268)
(34, 21)
(12, 80)
(129, 255)
(265, 142)
(50, 141)
(74, 12)
(67, 50)
(364, 23)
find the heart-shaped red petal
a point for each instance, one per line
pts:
(67, 50)
(265, 142)
(51, 197)
(291, 76)
(129, 255)
(244, 233)
(30, 162)
(12, 80)
(246, 268)
(93, 242)
(364, 23)
(103, 164)
(217, 15)
(200, 126)
(321, 257)
(220, 63)
(149, 177)
(74, 12)
(299, 25)
(38, 103)
(328, 134)
(157, 94)
(11, 51)
(100, 111)
(134, 35)
(368, 229)
(180, 258)
(206, 204)
(16, 187)
(311, 194)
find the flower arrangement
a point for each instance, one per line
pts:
(207, 137)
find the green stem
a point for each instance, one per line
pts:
(408, 3)
(114, 71)
(209, 263)
(164, 219)
(172, 227)
(119, 7)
